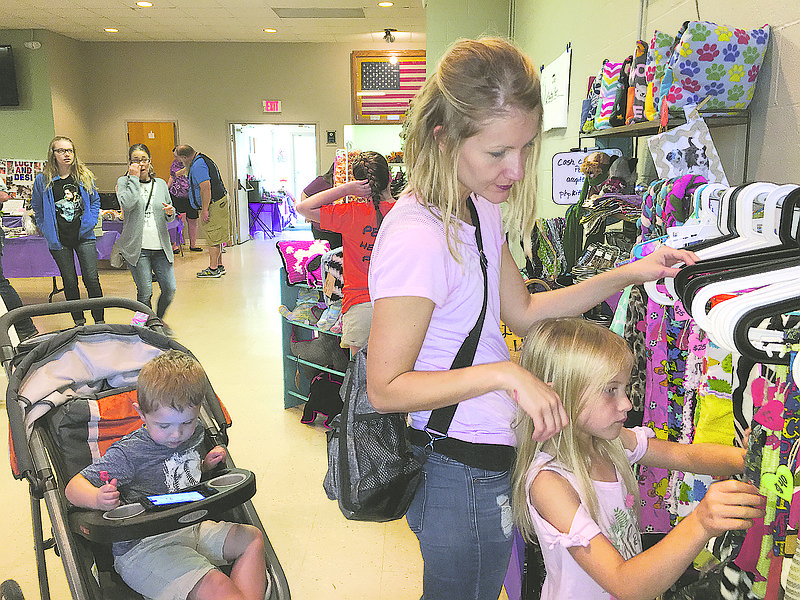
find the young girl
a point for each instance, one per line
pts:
(358, 222)
(577, 493)
(473, 134)
(66, 204)
(145, 243)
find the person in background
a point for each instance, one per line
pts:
(320, 184)
(145, 244)
(208, 195)
(471, 146)
(577, 493)
(66, 205)
(24, 327)
(358, 223)
(178, 185)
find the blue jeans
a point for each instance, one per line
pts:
(86, 251)
(153, 265)
(462, 518)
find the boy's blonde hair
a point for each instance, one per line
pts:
(172, 379)
(475, 81)
(578, 359)
(79, 171)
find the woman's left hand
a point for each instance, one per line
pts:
(659, 264)
(168, 209)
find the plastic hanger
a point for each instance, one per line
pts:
(763, 345)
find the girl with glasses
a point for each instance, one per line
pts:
(66, 204)
(144, 243)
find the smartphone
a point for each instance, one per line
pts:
(169, 500)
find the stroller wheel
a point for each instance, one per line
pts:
(10, 590)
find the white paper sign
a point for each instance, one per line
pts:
(555, 91)
(567, 176)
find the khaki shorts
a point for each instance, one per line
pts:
(167, 566)
(355, 325)
(218, 229)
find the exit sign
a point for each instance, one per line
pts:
(272, 106)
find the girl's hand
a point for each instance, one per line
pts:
(658, 264)
(215, 456)
(168, 209)
(540, 401)
(360, 188)
(108, 496)
(728, 505)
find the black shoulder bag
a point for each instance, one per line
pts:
(372, 470)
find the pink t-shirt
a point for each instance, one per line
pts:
(566, 580)
(411, 258)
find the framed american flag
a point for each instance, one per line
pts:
(384, 81)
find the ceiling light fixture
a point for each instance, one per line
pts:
(270, 30)
(111, 30)
(387, 35)
(144, 4)
(385, 4)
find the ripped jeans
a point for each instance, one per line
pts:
(462, 518)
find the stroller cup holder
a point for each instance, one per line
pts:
(134, 521)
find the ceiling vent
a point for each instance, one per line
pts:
(319, 13)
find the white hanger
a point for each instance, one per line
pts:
(724, 317)
(735, 285)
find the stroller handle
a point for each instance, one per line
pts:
(37, 310)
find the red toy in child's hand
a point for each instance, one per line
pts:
(104, 476)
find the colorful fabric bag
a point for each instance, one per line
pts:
(657, 61)
(638, 84)
(608, 93)
(712, 60)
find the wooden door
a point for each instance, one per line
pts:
(160, 138)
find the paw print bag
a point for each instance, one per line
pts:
(713, 60)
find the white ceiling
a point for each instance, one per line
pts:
(217, 20)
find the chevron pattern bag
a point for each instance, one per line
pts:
(608, 93)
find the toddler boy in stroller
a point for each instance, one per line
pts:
(164, 456)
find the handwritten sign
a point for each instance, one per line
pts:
(567, 176)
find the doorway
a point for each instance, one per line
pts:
(270, 158)
(160, 139)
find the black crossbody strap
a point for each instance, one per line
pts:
(440, 419)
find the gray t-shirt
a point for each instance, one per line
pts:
(142, 468)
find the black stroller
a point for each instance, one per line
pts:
(68, 399)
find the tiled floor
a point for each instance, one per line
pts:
(232, 325)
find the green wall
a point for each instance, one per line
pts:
(449, 20)
(23, 127)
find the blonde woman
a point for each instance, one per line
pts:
(473, 137)
(66, 204)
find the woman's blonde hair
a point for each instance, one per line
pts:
(475, 81)
(578, 359)
(80, 172)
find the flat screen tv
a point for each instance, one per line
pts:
(8, 78)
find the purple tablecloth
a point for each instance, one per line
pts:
(29, 257)
(175, 229)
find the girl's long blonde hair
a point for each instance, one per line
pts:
(578, 358)
(476, 80)
(80, 172)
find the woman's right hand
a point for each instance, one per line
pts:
(134, 169)
(537, 399)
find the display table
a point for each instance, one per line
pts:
(174, 227)
(272, 214)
